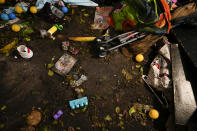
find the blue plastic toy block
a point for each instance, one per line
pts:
(78, 102)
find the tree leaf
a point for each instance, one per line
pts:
(108, 118)
(27, 39)
(50, 73)
(86, 15)
(138, 66)
(50, 65)
(117, 110)
(121, 123)
(84, 109)
(3, 107)
(54, 122)
(141, 70)
(132, 110)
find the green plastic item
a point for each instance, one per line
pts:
(59, 27)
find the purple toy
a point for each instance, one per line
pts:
(58, 114)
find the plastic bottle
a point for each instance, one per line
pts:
(57, 12)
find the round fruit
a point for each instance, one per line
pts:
(18, 9)
(2, 1)
(139, 58)
(154, 114)
(16, 28)
(12, 16)
(33, 10)
(64, 9)
(4, 17)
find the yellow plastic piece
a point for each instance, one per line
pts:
(52, 30)
(16, 28)
(8, 47)
(33, 10)
(154, 114)
(139, 58)
(84, 39)
(18, 9)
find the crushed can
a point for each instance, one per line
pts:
(64, 64)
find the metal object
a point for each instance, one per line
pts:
(163, 101)
(184, 100)
(111, 44)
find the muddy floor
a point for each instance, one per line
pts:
(25, 84)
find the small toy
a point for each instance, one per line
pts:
(154, 114)
(12, 16)
(4, 17)
(139, 58)
(64, 9)
(33, 10)
(78, 102)
(18, 9)
(16, 28)
(53, 29)
(58, 114)
(2, 1)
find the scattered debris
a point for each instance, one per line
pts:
(64, 64)
(159, 73)
(34, 118)
(58, 114)
(65, 45)
(127, 75)
(79, 92)
(142, 108)
(78, 82)
(24, 52)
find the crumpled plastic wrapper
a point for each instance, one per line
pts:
(159, 73)
(64, 64)
(100, 19)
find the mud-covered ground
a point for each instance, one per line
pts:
(25, 84)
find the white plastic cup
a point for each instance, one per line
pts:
(25, 52)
